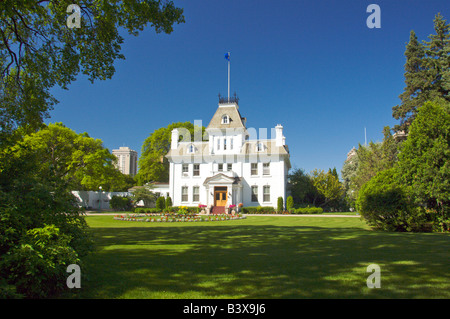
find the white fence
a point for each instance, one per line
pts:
(96, 200)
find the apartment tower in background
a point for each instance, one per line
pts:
(126, 160)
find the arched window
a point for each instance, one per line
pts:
(259, 147)
(225, 119)
(191, 149)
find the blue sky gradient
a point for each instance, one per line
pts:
(312, 66)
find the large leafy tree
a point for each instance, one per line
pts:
(424, 160)
(328, 186)
(71, 160)
(153, 165)
(39, 51)
(301, 187)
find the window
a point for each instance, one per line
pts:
(220, 167)
(225, 143)
(196, 170)
(185, 169)
(229, 167)
(225, 119)
(254, 170)
(266, 193)
(259, 147)
(196, 194)
(231, 143)
(184, 194)
(191, 149)
(254, 193)
(266, 168)
(218, 144)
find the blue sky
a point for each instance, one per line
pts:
(312, 66)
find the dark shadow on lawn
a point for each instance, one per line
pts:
(249, 261)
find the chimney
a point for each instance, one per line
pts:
(175, 136)
(279, 138)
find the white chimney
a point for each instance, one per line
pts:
(175, 136)
(279, 138)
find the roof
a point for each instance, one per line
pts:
(235, 118)
(268, 147)
(222, 177)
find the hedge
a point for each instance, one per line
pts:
(258, 210)
(307, 210)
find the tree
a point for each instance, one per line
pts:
(280, 206)
(39, 51)
(417, 78)
(153, 165)
(348, 172)
(289, 203)
(301, 187)
(144, 193)
(70, 160)
(383, 202)
(372, 159)
(427, 73)
(327, 185)
(160, 203)
(438, 57)
(424, 160)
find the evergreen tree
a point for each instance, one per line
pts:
(438, 58)
(427, 74)
(417, 80)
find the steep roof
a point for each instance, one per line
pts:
(235, 118)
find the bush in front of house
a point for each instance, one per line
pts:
(308, 210)
(120, 203)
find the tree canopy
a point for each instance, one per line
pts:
(153, 165)
(427, 73)
(70, 160)
(39, 51)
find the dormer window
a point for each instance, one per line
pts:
(191, 149)
(259, 147)
(225, 119)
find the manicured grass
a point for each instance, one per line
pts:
(261, 257)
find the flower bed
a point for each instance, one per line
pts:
(171, 218)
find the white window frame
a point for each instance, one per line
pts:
(254, 195)
(185, 169)
(196, 193)
(266, 187)
(184, 193)
(266, 169)
(252, 170)
(225, 119)
(196, 172)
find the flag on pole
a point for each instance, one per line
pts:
(227, 56)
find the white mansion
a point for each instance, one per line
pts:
(228, 168)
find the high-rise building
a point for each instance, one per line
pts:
(126, 160)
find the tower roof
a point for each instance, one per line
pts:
(227, 116)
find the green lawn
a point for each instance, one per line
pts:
(261, 257)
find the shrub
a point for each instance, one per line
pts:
(258, 210)
(280, 206)
(120, 203)
(382, 202)
(160, 203)
(168, 202)
(308, 210)
(37, 265)
(289, 203)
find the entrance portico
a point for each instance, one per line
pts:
(223, 190)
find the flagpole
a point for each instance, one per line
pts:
(228, 76)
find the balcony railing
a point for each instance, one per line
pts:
(226, 99)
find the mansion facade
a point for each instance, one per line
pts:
(227, 168)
